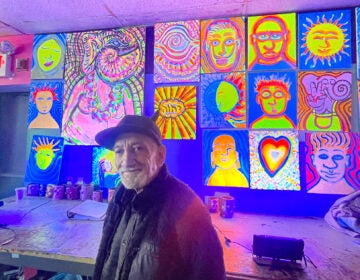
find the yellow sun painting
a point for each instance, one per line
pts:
(325, 40)
(177, 111)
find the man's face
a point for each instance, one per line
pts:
(224, 153)
(269, 40)
(331, 163)
(44, 101)
(44, 158)
(138, 159)
(272, 99)
(223, 46)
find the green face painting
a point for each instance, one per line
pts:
(44, 158)
(226, 97)
(49, 55)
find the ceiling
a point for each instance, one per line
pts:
(48, 16)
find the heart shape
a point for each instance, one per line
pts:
(274, 153)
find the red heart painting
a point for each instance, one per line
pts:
(274, 153)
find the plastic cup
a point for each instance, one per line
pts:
(20, 193)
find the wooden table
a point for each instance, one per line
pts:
(46, 239)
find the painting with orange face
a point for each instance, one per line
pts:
(272, 42)
(325, 40)
(226, 158)
(222, 45)
(272, 100)
(48, 56)
(44, 163)
(45, 106)
(332, 162)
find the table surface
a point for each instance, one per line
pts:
(45, 238)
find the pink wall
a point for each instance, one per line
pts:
(23, 45)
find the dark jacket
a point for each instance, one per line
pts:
(174, 239)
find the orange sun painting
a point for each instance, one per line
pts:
(325, 40)
(177, 111)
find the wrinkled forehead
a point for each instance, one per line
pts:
(130, 138)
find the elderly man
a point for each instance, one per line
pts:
(156, 227)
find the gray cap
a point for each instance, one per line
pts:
(130, 123)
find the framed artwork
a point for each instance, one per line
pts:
(226, 158)
(104, 171)
(45, 105)
(272, 100)
(222, 45)
(177, 52)
(274, 160)
(44, 163)
(324, 40)
(223, 100)
(332, 162)
(272, 42)
(177, 111)
(104, 81)
(324, 101)
(48, 56)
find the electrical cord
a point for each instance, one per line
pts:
(10, 232)
(228, 241)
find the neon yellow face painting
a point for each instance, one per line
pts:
(325, 39)
(49, 55)
(44, 158)
(223, 45)
(226, 97)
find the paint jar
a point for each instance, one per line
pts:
(33, 189)
(97, 195)
(72, 192)
(111, 193)
(59, 192)
(49, 191)
(86, 191)
(213, 204)
(42, 189)
(227, 206)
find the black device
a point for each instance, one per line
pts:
(278, 248)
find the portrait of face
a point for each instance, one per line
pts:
(137, 159)
(44, 158)
(227, 96)
(223, 45)
(273, 99)
(331, 163)
(269, 38)
(49, 55)
(224, 154)
(44, 101)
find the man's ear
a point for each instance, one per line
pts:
(162, 154)
(312, 156)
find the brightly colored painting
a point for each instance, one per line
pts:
(324, 101)
(223, 100)
(104, 172)
(332, 162)
(324, 40)
(44, 164)
(222, 45)
(177, 52)
(45, 105)
(272, 42)
(226, 158)
(104, 80)
(274, 160)
(272, 100)
(357, 10)
(48, 56)
(177, 111)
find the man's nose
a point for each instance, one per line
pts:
(331, 164)
(128, 158)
